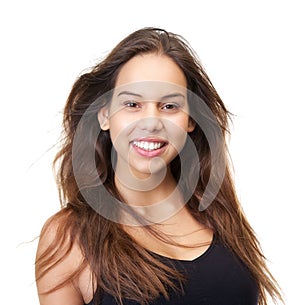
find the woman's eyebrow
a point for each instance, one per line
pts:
(168, 96)
(172, 95)
(129, 93)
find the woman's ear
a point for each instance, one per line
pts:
(191, 125)
(103, 118)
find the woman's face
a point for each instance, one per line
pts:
(148, 116)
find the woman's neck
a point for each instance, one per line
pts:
(142, 192)
(154, 201)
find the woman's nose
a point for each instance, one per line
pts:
(151, 120)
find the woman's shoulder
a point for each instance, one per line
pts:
(58, 240)
(57, 220)
(61, 226)
(59, 258)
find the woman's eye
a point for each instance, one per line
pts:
(170, 107)
(131, 104)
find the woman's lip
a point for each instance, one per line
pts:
(150, 139)
(149, 153)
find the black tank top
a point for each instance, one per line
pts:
(217, 277)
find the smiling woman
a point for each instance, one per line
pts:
(147, 126)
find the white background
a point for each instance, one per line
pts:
(250, 50)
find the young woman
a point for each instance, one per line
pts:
(149, 211)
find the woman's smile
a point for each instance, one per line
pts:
(149, 147)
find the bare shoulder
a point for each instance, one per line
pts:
(55, 239)
(62, 275)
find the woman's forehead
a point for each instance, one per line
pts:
(151, 67)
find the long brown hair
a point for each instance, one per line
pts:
(112, 254)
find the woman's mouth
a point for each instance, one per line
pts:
(149, 145)
(149, 148)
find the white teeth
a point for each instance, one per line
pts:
(149, 146)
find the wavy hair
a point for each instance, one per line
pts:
(111, 253)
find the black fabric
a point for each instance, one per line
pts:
(217, 277)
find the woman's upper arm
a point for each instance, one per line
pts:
(66, 295)
(65, 265)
